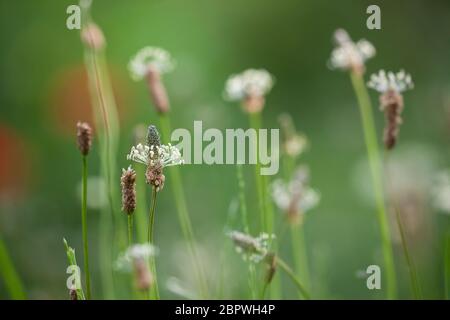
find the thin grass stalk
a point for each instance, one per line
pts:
(255, 123)
(183, 213)
(245, 224)
(297, 234)
(141, 206)
(415, 285)
(151, 222)
(84, 228)
(8, 272)
(265, 205)
(413, 274)
(283, 265)
(130, 229)
(447, 266)
(107, 126)
(373, 154)
(299, 254)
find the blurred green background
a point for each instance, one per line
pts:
(43, 93)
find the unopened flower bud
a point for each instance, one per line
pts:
(153, 137)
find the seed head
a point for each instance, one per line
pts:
(391, 85)
(84, 137)
(128, 183)
(253, 249)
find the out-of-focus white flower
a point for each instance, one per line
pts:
(96, 192)
(164, 155)
(295, 198)
(349, 55)
(252, 249)
(294, 143)
(383, 82)
(147, 58)
(136, 252)
(440, 192)
(251, 82)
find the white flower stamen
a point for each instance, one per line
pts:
(398, 82)
(349, 55)
(164, 155)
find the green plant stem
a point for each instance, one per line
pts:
(255, 123)
(245, 223)
(370, 137)
(85, 229)
(411, 267)
(265, 204)
(9, 274)
(299, 254)
(183, 213)
(112, 234)
(151, 223)
(293, 277)
(130, 229)
(141, 206)
(447, 266)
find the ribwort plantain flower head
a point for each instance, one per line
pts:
(249, 87)
(391, 86)
(295, 198)
(135, 259)
(84, 137)
(141, 251)
(156, 157)
(150, 59)
(128, 184)
(384, 82)
(164, 155)
(150, 63)
(294, 143)
(350, 56)
(252, 249)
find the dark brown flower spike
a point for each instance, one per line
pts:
(84, 137)
(128, 183)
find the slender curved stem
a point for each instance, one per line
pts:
(151, 223)
(151, 220)
(414, 278)
(245, 223)
(293, 277)
(447, 265)
(183, 213)
(130, 229)
(84, 228)
(373, 154)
